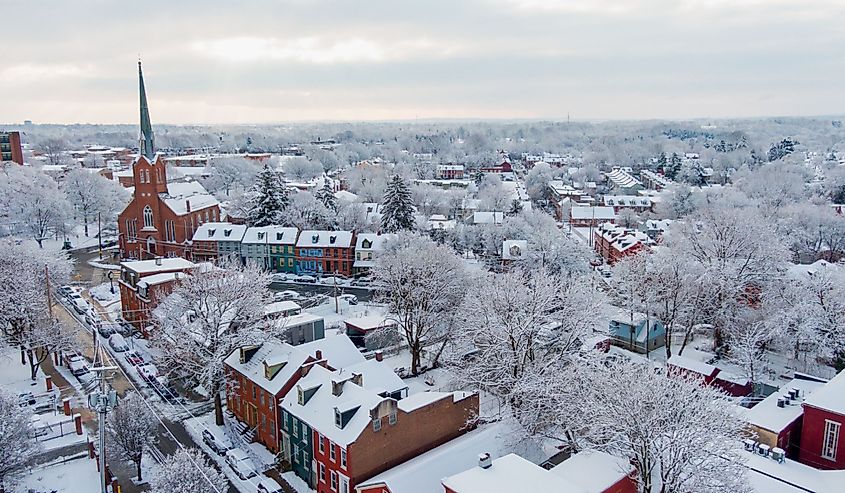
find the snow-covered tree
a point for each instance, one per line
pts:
(512, 325)
(93, 161)
(492, 194)
(748, 343)
(32, 201)
(302, 169)
(816, 313)
(422, 283)
(188, 470)
(131, 428)
(397, 208)
(91, 194)
(537, 181)
(304, 211)
(549, 247)
(226, 174)
(207, 316)
(681, 436)
(269, 199)
(816, 231)
(326, 196)
(17, 448)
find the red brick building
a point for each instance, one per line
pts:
(144, 283)
(614, 242)
(822, 443)
(10, 147)
(325, 252)
(162, 216)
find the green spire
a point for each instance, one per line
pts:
(147, 141)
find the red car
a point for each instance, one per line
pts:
(134, 358)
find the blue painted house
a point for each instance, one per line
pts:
(641, 336)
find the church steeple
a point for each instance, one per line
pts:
(147, 140)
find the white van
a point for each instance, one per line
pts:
(118, 343)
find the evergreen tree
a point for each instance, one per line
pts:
(326, 196)
(516, 207)
(269, 199)
(397, 210)
(662, 161)
(674, 167)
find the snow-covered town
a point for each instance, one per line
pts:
(372, 302)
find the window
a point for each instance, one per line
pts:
(344, 485)
(285, 422)
(332, 453)
(831, 439)
(322, 472)
(334, 481)
(337, 420)
(392, 418)
(376, 424)
(295, 427)
(169, 231)
(343, 458)
(148, 217)
(322, 446)
(253, 392)
(296, 453)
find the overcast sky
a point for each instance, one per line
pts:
(261, 61)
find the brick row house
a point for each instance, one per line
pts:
(162, 217)
(272, 247)
(217, 240)
(144, 283)
(325, 252)
(614, 242)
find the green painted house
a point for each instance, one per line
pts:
(297, 443)
(271, 247)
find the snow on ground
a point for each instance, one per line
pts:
(109, 302)
(296, 482)
(77, 475)
(334, 319)
(76, 236)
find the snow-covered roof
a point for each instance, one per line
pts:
(158, 265)
(338, 349)
(768, 476)
(622, 239)
(599, 213)
(377, 376)
(450, 167)
(331, 239)
(626, 201)
(296, 320)
(345, 195)
(192, 192)
(281, 306)
(274, 353)
(690, 364)
(622, 178)
(219, 231)
(488, 217)
(319, 410)
(830, 397)
(509, 473)
(156, 279)
(423, 473)
(376, 241)
(766, 414)
(272, 235)
(422, 399)
(593, 470)
(514, 249)
(370, 322)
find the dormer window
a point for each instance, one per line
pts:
(227, 233)
(366, 244)
(315, 238)
(211, 232)
(261, 235)
(337, 418)
(279, 236)
(332, 239)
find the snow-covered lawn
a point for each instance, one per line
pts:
(77, 475)
(296, 482)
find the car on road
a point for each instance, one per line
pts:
(123, 327)
(331, 280)
(118, 343)
(279, 277)
(134, 357)
(361, 282)
(216, 444)
(240, 462)
(269, 485)
(65, 291)
(349, 298)
(79, 304)
(287, 295)
(78, 366)
(304, 279)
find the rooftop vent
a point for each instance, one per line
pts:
(485, 461)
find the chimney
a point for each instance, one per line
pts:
(358, 379)
(188, 205)
(337, 388)
(379, 355)
(319, 355)
(158, 261)
(484, 461)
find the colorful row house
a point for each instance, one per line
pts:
(325, 252)
(272, 247)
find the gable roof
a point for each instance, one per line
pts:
(178, 193)
(510, 473)
(315, 238)
(830, 397)
(274, 353)
(272, 235)
(377, 241)
(217, 231)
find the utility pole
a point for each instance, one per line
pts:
(100, 235)
(336, 302)
(103, 402)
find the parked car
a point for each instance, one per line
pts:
(79, 304)
(118, 343)
(134, 357)
(304, 279)
(106, 329)
(78, 365)
(331, 280)
(123, 327)
(148, 371)
(349, 298)
(279, 277)
(240, 462)
(361, 282)
(269, 485)
(217, 445)
(65, 291)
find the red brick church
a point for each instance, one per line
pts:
(162, 217)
